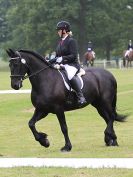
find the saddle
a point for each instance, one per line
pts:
(66, 81)
(71, 98)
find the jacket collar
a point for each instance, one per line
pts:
(65, 37)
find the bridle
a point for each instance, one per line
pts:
(23, 77)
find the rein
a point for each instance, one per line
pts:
(34, 74)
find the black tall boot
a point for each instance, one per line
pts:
(76, 86)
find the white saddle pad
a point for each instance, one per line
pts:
(67, 85)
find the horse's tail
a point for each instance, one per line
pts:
(118, 117)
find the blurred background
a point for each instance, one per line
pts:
(31, 24)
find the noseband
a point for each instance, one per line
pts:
(27, 76)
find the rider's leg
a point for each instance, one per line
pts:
(71, 71)
(93, 53)
(76, 86)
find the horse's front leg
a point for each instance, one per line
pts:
(39, 136)
(64, 129)
(127, 64)
(130, 64)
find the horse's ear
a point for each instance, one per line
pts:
(10, 53)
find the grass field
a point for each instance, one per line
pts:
(86, 127)
(64, 172)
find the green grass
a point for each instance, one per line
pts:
(86, 127)
(124, 79)
(64, 172)
(5, 82)
(4, 66)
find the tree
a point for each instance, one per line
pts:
(32, 24)
(4, 6)
(107, 24)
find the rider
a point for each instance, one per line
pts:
(129, 48)
(67, 55)
(90, 48)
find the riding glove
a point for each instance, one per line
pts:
(59, 60)
(53, 60)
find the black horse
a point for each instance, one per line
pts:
(49, 94)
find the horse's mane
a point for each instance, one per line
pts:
(35, 54)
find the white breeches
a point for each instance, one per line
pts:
(71, 71)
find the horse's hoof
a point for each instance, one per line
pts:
(112, 143)
(47, 144)
(66, 149)
(43, 140)
(115, 143)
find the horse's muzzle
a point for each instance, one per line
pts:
(16, 84)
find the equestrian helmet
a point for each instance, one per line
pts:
(63, 25)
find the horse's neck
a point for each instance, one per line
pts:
(35, 64)
(89, 55)
(41, 73)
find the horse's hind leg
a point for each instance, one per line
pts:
(92, 63)
(124, 62)
(64, 129)
(106, 111)
(110, 136)
(39, 136)
(127, 63)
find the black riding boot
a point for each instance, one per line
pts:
(76, 86)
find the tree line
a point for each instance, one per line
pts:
(31, 24)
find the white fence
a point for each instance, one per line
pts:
(14, 91)
(97, 63)
(108, 64)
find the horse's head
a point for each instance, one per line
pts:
(18, 68)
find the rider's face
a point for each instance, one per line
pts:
(60, 33)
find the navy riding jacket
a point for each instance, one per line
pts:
(130, 46)
(68, 50)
